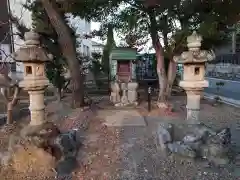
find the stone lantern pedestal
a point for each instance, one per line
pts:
(193, 81)
(115, 90)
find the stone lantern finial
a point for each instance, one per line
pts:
(194, 41)
(31, 38)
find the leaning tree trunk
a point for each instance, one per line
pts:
(10, 95)
(68, 50)
(162, 78)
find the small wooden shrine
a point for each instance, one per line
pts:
(123, 76)
(122, 61)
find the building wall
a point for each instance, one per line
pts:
(223, 68)
(226, 49)
(25, 17)
(6, 39)
(5, 34)
(82, 27)
(97, 47)
(5, 52)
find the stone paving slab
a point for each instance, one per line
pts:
(121, 118)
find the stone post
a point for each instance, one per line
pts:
(34, 57)
(132, 92)
(115, 96)
(193, 81)
(124, 98)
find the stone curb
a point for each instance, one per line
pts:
(228, 101)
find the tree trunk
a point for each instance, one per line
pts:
(68, 50)
(9, 113)
(162, 78)
(107, 51)
(59, 94)
(172, 69)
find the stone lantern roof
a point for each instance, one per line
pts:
(31, 51)
(194, 53)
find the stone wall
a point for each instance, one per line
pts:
(223, 70)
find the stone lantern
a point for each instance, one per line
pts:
(34, 57)
(193, 81)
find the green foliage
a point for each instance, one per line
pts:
(55, 71)
(175, 20)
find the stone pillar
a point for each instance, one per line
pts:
(37, 107)
(132, 92)
(115, 90)
(193, 105)
(194, 81)
(124, 98)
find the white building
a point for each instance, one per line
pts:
(83, 28)
(6, 40)
(97, 47)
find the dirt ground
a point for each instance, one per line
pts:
(109, 153)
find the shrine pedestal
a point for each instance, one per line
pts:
(128, 95)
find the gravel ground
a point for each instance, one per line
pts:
(131, 153)
(139, 158)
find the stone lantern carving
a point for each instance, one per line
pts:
(33, 57)
(193, 81)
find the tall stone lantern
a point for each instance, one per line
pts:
(193, 81)
(34, 57)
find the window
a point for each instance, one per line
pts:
(84, 50)
(88, 51)
(28, 70)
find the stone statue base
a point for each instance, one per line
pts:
(128, 97)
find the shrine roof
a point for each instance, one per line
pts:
(124, 53)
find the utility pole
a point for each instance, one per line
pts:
(234, 39)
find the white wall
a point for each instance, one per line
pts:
(82, 27)
(25, 18)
